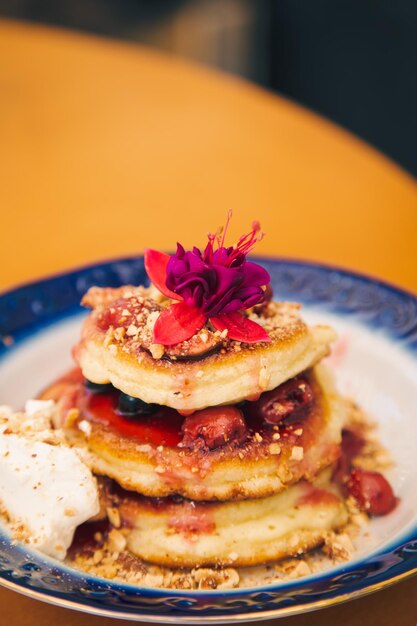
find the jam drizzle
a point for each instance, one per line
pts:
(163, 427)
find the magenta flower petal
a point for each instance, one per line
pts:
(240, 328)
(177, 323)
(156, 268)
(256, 274)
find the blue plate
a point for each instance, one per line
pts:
(381, 321)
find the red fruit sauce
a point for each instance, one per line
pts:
(161, 428)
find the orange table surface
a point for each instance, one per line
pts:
(108, 147)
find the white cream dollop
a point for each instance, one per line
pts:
(46, 488)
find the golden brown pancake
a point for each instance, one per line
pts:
(147, 455)
(209, 369)
(182, 533)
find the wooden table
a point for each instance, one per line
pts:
(108, 147)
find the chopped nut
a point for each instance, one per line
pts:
(97, 556)
(132, 330)
(152, 317)
(338, 546)
(116, 541)
(298, 432)
(275, 448)
(258, 437)
(157, 350)
(360, 519)
(276, 436)
(295, 568)
(216, 579)
(119, 333)
(297, 453)
(71, 418)
(180, 580)
(85, 427)
(109, 336)
(114, 516)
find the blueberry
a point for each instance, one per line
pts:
(132, 407)
(97, 388)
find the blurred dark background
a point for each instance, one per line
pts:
(354, 61)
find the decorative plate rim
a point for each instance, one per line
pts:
(388, 548)
(238, 617)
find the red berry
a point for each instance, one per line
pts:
(289, 400)
(372, 491)
(214, 427)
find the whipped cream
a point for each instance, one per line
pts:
(46, 488)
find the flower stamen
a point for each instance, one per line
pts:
(226, 226)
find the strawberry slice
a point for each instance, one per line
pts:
(156, 268)
(240, 328)
(177, 323)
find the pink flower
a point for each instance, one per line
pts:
(217, 284)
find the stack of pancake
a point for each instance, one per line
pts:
(214, 452)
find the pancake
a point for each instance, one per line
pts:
(148, 455)
(210, 369)
(181, 533)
